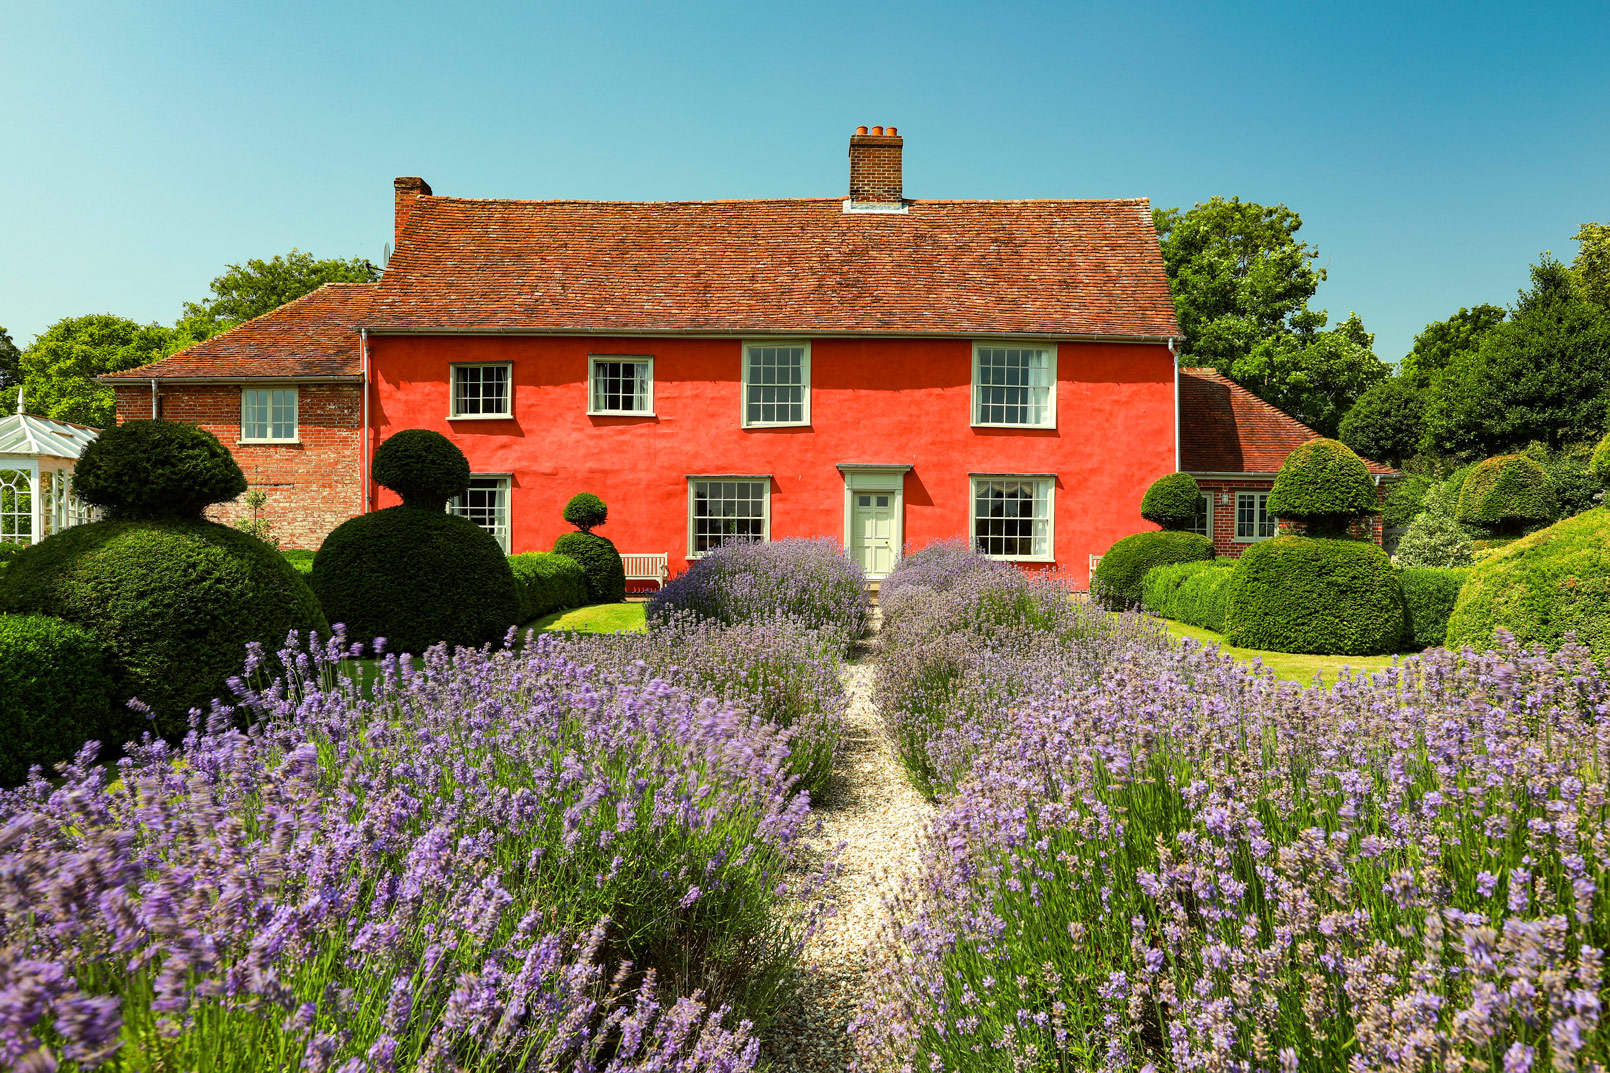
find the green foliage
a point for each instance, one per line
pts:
(1590, 272)
(8, 552)
(1384, 424)
(54, 693)
(143, 470)
(175, 603)
(59, 368)
(301, 560)
(257, 287)
(416, 577)
(1325, 484)
(1117, 579)
(546, 583)
(1599, 463)
(1428, 598)
(1171, 501)
(1441, 341)
(1307, 594)
(1435, 538)
(1404, 499)
(1316, 378)
(424, 467)
(1201, 601)
(1505, 495)
(586, 511)
(10, 372)
(1575, 486)
(599, 561)
(1540, 587)
(1161, 584)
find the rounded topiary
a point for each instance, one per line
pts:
(1428, 599)
(143, 470)
(54, 694)
(1307, 594)
(1324, 484)
(416, 577)
(547, 583)
(1540, 587)
(1171, 501)
(1116, 581)
(599, 561)
(586, 511)
(1599, 463)
(424, 467)
(1507, 495)
(174, 603)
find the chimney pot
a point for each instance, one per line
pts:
(860, 130)
(891, 132)
(877, 131)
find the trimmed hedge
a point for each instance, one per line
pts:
(416, 577)
(174, 603)
(1161, 585)
(1309, 594)
(54, 693)
(424, 467)
(1544, 584)
(301, 560)
(1171, 501)
(8, 552)
(599, 562)
(547, 582)
(586, 511)
(1202, 599)
(147, 470)
(1323, 482)
(1117, 579)
(1507, 494)
(1428, 599)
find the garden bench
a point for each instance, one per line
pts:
(646, 566)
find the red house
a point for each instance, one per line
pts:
(873, 368)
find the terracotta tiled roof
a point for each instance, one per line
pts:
(315, 335)
(1224, 428)
(954, 267)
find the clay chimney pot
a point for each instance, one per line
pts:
(860, 130)
(877, 130)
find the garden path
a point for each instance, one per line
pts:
(880, 819)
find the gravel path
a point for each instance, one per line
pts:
(870, 808)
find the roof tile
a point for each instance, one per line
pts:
(1224, 428)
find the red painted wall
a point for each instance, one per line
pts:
(882, 401)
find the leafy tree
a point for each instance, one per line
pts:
(9, 357)
(1441, 340)
(256, 287)
(1316, 377)
(1591, 269)
(1384, 424)
(60, 367)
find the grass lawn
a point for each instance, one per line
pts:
(597, 618)
(1293, 666)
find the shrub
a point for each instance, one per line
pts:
(1325, 484)
(1171, 501)
(600, 564)
(416, 577)
(1117, 578)
(939, 566)
(1311, 594)
(585, 511)
(175, 603)
(1507, 494)
(54, 693)
(424, 467)
(1599, 463)
(1575, 486)
(1428, 599)
(547, 582)
(1201, 600)
(301, 559)
(142, 470)
(8, 552)
(1161, 585)
(1540, 587)
(1404, 500)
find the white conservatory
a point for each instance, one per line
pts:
(37, 457)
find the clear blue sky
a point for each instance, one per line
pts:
(1432, 150)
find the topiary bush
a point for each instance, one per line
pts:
(1201, 600)
(1506, 495)
(1324, 484)
(546, 583)
(586, 511)
(54, 694)
(1171, 501)
(8, 552)
(424, 467)
(1161, 585)
(600, 563)
(173, 602)
(144, 470)
(1545, 584)
(1116, 581)
(1307, 594)
(1428, 599)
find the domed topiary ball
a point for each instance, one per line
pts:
(599, 561)
(586, 511)
(156, 469)
(1506, 495)
(1171, 501)
(1116, 581)
(1599, 464)
(1304, 594)
(424, 467)
(1324, 484)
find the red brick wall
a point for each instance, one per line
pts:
(312, 486)
(875, 166)
(1223, 490)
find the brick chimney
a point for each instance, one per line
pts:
(408, 189)
(875, 166)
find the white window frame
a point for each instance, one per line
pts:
(805, 384)
(1050, 421)
(592, 384)
(1050, 480)
(453, 397)
(501, 529)
(1209, 532)
(752, 478)
(296, 413)
(1239, 539)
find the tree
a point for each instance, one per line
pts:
(256, 287)
(1441, 340)
(1591, 269)
(1315, 378)
(1384, 424)
(10, 375)
(59, 368)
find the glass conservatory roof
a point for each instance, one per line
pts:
(25, 434)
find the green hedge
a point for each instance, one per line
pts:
(8, 552)
(301, 559)
(1323, 481)
(599, 561)
(1161, 585)
(547, 582)
(146, 470)
(1506, 494)
(1428, 599)
(1171, 501)
(1201, 600)
(425, 468)
(54, 694)
(1306, 594)
(1117, 578)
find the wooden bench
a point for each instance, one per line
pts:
(646, 566)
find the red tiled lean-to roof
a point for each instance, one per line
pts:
(1224, 428)
(1081, 268)
(313, 336)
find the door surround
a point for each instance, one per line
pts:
(879, 478)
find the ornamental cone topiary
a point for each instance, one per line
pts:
(1324, 484)
(1171, 501)
(596, 555)
(1507, 495)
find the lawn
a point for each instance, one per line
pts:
(1293, 666)
(595, 618)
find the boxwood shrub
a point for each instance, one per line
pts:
(1506, 495)
(1201, 600)
(600, 563)
(586, 511)
(8, 552)
(546, 582)
(1161, 585)
(1309, 594)
(54, 694)
(142, 470)
(1116, 581)
(424, 467)
(1325, 484)
(1171, 501)
(1428, 599)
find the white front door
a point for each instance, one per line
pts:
(872, 528)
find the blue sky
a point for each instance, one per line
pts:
(1432, 150)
